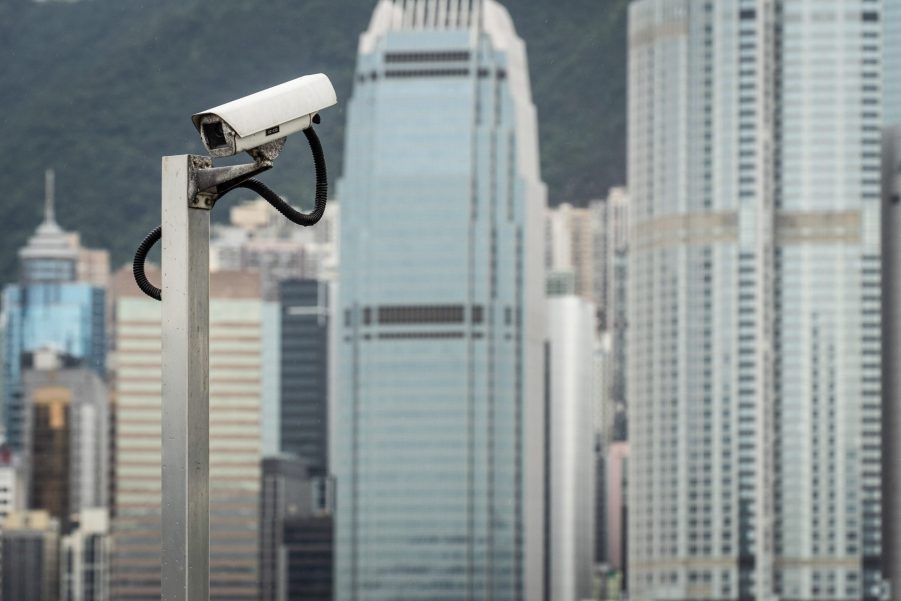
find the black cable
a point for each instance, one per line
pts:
(280, 204)
(138, 265)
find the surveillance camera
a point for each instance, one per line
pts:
(263, 120)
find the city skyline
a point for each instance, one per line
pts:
(680, 389)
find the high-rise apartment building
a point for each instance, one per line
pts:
(67, 436)
(85, 558)
(754, 299)
(235, 390)
(439, 408)
(51, 307)
(570, 448)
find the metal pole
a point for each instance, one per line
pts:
(185, 363)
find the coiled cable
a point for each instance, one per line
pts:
(265, 192)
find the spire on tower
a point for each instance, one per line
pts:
(49, 193)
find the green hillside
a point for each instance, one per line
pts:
(100, 89)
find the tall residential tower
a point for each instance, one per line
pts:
(754, 323)
(439, 453)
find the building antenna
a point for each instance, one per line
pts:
(49, 195)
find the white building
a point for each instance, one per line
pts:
(571, 467)
(754, 299)
(85, 558)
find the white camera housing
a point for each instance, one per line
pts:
(264, 117)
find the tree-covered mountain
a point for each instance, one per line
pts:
(100, 89)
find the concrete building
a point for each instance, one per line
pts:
(570, 251)
(67, 436)
(616, 473)
(439, 412)
(236, 314)
(754, 305)
(30, 569)
(570, 448)
(85, 558)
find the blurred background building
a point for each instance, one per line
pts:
(439, 410)
(754, 330)
(570, 444)
(236, 313)
(85, 558)
(892, 61)
(67, 435)
(51, 307)
(891, 339)
(30, 565)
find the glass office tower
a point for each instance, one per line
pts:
(439, 408)
(754, 341)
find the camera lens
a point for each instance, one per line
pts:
(214, 136)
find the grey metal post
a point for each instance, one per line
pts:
(185, 363)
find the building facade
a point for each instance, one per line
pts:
(287, 492)
(617, 309)
(570, 448)
(891, 338)
(235, 392)
(30, 568)
(891, 58)
(85, 558)
(439, 447)
(305, 334)
(570, 251)
(67, 436)
(754, 334)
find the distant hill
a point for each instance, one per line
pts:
(100, 89)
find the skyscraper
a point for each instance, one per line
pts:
(754, 328)
(439, 411)
(235, 390)
(570, 444)
(51, 307)
(305, 333)
(67, 436)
